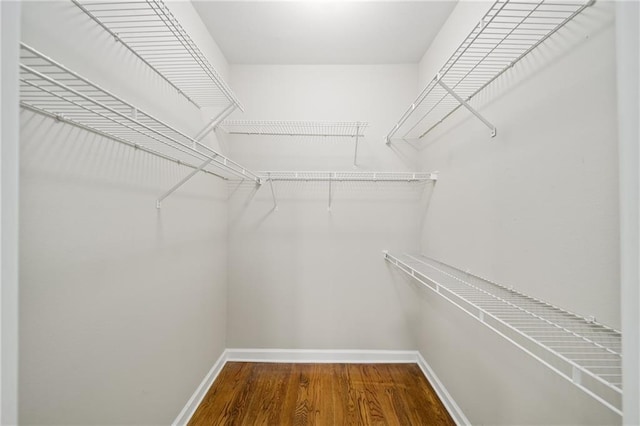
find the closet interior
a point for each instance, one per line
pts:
(180, 211)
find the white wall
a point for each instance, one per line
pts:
(302, 277)
(122, 306)
(628, 84)
(541, 197)
(535, 208)
(9, 35)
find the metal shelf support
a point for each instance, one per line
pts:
(215, 122)
(331, 177)
(467, 106)
(182, 182)
(273, 193)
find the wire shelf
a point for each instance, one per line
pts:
(50, 88)
(349, 129)
(508, 32)
(151, 32)
(347, 176)
(582, 351)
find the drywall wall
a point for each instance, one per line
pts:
(122, 306)
(9, 36)
(628, 85)
(535, 208)
(540, 199)
(303, 277)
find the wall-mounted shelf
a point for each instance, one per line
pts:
(313, 129)
(151, 32)
(349, 176)
(50, 88)
(507, 33)
(337, 129)
(330, 177)
(582, 351)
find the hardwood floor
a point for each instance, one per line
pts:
(320, 394)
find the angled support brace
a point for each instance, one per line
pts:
(273, 193)
(467, 106)
(183, 181)
(215, 121)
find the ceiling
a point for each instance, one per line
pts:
(323, 32)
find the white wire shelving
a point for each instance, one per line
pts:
(309, 176)
(337, 176)
(337, 129)
(49, 88)
(584, 352)
(334, 130)
(506, 34)
(151, 32)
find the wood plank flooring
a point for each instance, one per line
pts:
(320, 394)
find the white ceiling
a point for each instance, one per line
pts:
(323, 32)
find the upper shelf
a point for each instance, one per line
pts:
(295, 128)
(586, 353)
(154, 35)
(509, 31)
(50, 88)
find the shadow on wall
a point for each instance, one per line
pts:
(423, 206)
(411, 296)
(406, 152)
(63, 152)
(245, 191)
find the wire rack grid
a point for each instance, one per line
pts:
(579, 349)
(336, 176)
(507, 33)
(48, 87)
(151, 32)
(349, 129)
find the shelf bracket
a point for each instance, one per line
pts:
(467, 106)
(183, 181)
(215, 122)
(273, 193)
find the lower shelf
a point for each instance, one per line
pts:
(584, 352)
(310, 176)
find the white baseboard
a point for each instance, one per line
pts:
(195, 400)
(321, 356)
(449, 403)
